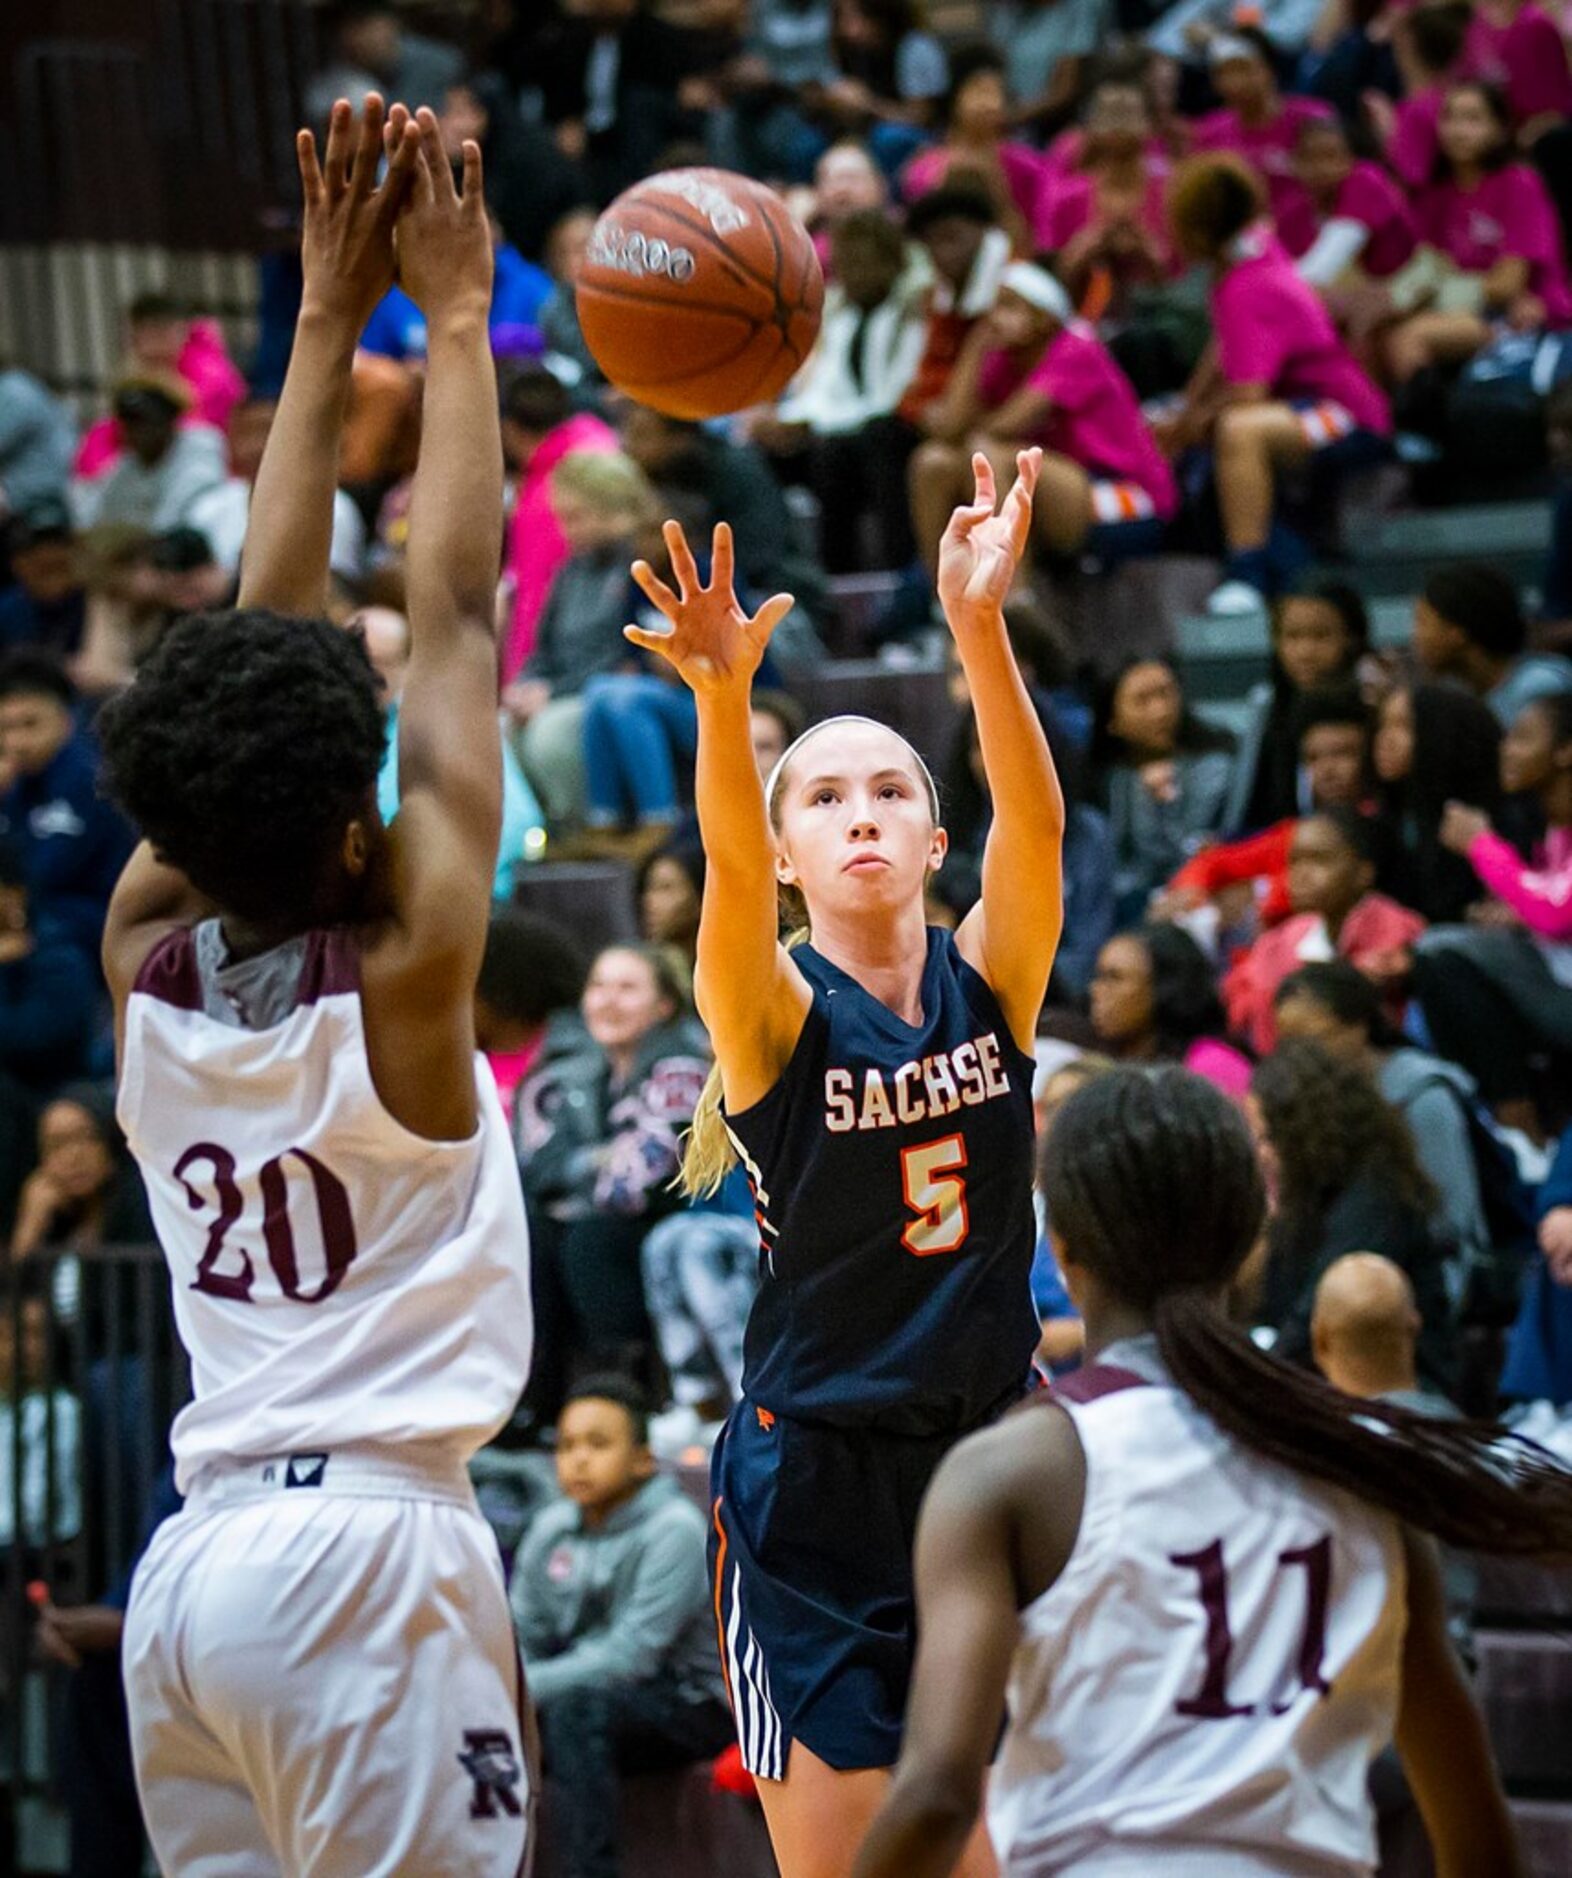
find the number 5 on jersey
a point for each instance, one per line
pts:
(935, 1191)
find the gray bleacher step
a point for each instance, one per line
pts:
(1484, 531)
(1523, 1592)
(1524, 1684)
(593, 899)
(1544, 1831)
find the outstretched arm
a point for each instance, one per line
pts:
(347, 260)
(750, 995)
(1012, 933)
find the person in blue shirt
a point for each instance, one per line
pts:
(48, 990)
(46, 603)
(523, 824)
(73, 842)
(876, 1085)
(519, 289)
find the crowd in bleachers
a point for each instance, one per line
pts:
(1244, 273)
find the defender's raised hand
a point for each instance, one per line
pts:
(981, 550)
(444, 240)
(346, 248)
(712, 643)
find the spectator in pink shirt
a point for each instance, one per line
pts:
(1277, 387)
(162, 339)
(1031, 373)
(1492, 219)
(976, 116)
(1256, 122)
(1518, 48)
(1343, 214)
(846, 180)
(1427, 42)
(539, 428)
(1106, 221)
(1498, 996)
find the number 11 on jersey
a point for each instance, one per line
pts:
(935, 1191)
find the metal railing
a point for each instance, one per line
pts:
(91, 1377)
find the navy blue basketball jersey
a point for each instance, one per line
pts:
(891, 1169)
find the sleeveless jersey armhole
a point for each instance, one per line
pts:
(815, 1026)
(983, 1000)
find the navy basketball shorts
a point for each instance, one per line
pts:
(811, 1559)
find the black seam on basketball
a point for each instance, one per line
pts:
(735, 261)
(632, 296)
(703, 371)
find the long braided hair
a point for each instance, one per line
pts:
(1152, 1182)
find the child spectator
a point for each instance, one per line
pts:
(563, 337)
(670, 891)
(531, 969)
(1428, 43)
(1498, 999)
(539, 429)
(835, 421)
(1280, 389)
(1342, 1165)
(1032, 373)
(1434, 744)
(1105, 221)
(975, 147)
(1256, 122)
(1159, 773)
(1517, 47)
(1154, 1000)
(46, 604)
(611, 1601)
(1320, 632)
(1342, 217)
(1336, 1006)
(846, 181)
(1329, 730)
(604, 506)
(969, 251)
(599, 1119)
(165, 465)
(72, 842)
(161, 340)
(1335, 914)
(1468, 626)
(48, 989)
(1492, 222)
(85, 1192)
(40, 1428)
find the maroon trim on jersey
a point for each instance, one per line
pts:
(1095, 1381)
(332, 965)
(169, 972)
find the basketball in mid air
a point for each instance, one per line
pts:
(700, 294)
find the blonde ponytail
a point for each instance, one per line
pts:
(708, 1154)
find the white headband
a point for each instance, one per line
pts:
(1038, 288)
(1227, 46)
(848, 717)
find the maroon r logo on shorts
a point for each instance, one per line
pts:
(489, 1760)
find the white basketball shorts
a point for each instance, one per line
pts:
(323, 1681)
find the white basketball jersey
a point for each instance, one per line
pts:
(338, 1281)
(1202, 1691)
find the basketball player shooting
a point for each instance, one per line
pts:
(319, 1662)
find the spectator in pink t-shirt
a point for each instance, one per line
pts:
(1427, 42)
(1256, 122)
(1106, 221)
(1513, 45)
(974, 148)
(1343, 214)
(160, 338)
(1277, 386)
(1032, 374)
(539, 428)
(1493, 220)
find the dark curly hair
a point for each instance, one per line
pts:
(1152, 1187)
(1328, 1124)
(243, 751)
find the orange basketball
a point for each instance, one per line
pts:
(700, 293)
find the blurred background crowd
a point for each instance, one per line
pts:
(1283, 291)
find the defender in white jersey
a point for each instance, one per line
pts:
(319, 1659)
(1190, 1570)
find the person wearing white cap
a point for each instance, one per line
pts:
(1033, 373)
(1256, 122)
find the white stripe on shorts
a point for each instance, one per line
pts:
(1114, 501)
(1325, 423)
(758, 1725)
